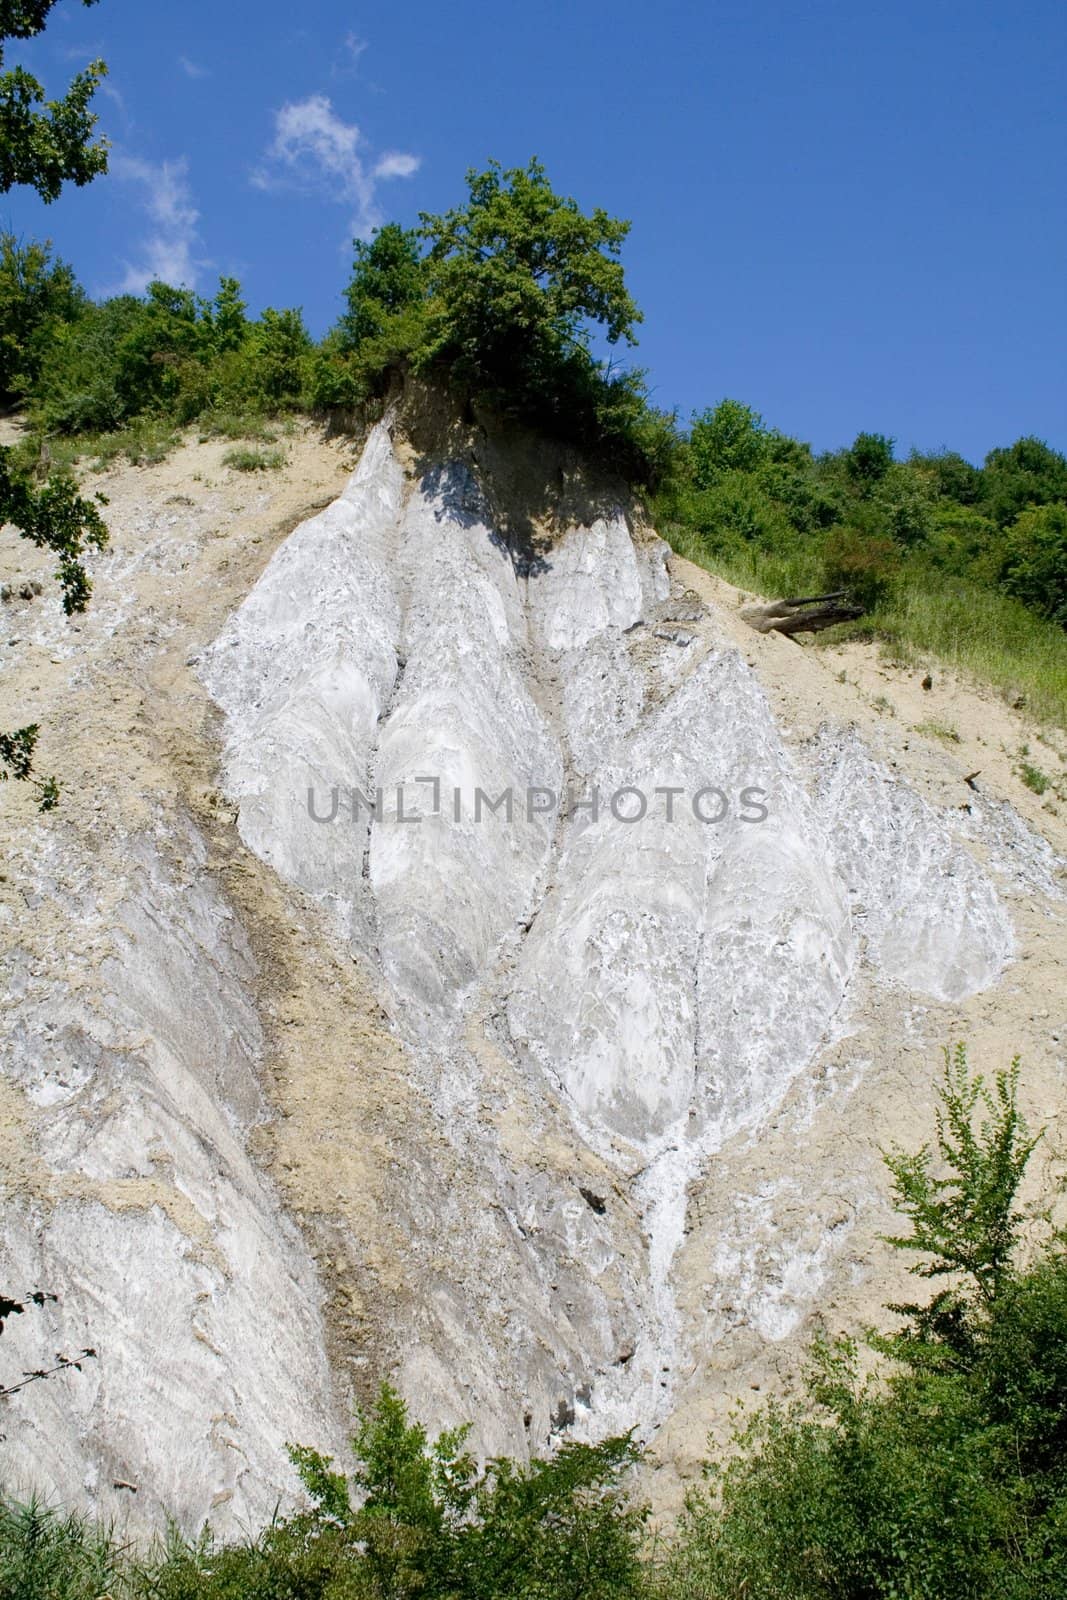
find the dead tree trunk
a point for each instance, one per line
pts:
(789, 617)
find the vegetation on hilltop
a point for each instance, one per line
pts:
(941, 1475)
(500, 300)
(965, 563)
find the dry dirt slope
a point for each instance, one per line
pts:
(176, 1090)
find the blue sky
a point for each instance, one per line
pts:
(849, 215)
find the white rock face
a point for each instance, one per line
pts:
(661, 964)
(932, 917)
(175, 1259)
(307, 713)
(535, 923)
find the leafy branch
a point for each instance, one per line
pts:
(964, 1220)
(54, 517)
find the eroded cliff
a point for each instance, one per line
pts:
(320, 1068)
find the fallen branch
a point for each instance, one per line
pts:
(789, 617)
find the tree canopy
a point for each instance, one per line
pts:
(519, 276)
(45, 148)
(504, 298)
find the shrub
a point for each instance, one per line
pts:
(727, 439)
(37, 297)
(1034, 778)
(945, 1477)
(430, 1522)
(1033, 561)
(866, 566)
(961, 541)
(253, 460)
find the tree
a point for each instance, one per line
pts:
(951, 476)
(45, 149)
(280, 345)
(502, 298)
(728, 439)
(868, 460)
(38, 296)
(966, 1223)
(82, 386)
(55, 517)
(387, 278)
(1027, 473)
(1033, 561)
(516, 279)
(224, 317)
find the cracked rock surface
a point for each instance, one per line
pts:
(472, 959)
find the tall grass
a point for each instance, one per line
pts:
(988, 635)
(976, 631)
(45, 1555)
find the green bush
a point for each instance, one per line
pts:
(430, 1522)
(867, 567)
(253, 460)
(962, 542)
(943, 1477)
(172, 356)
(1033, 561)
(38, 296)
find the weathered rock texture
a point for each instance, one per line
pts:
(566, 1119)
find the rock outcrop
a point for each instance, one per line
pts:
(471, 1057)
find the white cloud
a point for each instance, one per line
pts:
(355, 46)
(109, 92)
(316, 151)
(394, 164)
(192, 69)
(167, 253)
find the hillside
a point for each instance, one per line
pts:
(564, 1126)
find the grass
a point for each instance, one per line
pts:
(144, 443)
(245, 460)
(986, 635)
(975, 631)
(150, 440)
(236, 425)
(45, 1555)
(935, 729)
(1034, 778)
